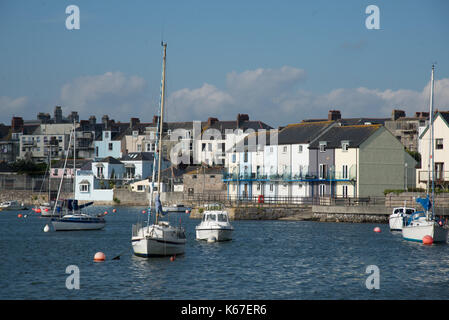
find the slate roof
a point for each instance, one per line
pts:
(136, 156)
(355, 135)
(110, 160)
(303, 132)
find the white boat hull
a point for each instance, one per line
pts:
(417, 233)
(219, 234)
(396, 223)
(73, 225)
(158, 240)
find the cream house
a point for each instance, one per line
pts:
(441, 149)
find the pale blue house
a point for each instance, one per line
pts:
(108, 146)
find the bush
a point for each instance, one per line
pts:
(116, 200)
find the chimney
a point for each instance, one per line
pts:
(92, 120)
(133, 122)
(396, 114)
(58, 114)
(334, 115)
(74, 117)
(211, 121)
(105, 121)
(241, 118)
(17, 124)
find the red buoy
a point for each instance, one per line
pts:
(105, 213)
(99, 257)
(19, 215)
(187, 211)
(172, 258)
(143, 211)
(114, 210)
(428, 240)
(37, 210)
(377, 229)
(46, 209)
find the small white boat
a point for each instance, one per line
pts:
(11, 205)
(161, 239)
(214, 226)
(399, 217)
(176, 208)
(78, 221)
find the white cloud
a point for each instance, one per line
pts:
(112, 93)
(13, 106)
(275, 97)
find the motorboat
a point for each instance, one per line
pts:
(399, 217)
(214, 226)
(11, 205)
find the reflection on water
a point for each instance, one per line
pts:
(265, 260)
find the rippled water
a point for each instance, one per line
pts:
(266, 260)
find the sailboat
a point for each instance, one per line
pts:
(45, 208)
(71, 218)
(160, 238)
(423, 223)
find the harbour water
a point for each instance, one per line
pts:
(268, 260)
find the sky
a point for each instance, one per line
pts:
(278, 61)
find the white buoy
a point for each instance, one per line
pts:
(211, 239)
(46, 228)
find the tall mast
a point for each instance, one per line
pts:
(161, 122)
(432, 137)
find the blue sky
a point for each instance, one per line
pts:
(279, 61)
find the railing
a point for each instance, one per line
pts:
(228, 200)
(440, 176)
(303, 176)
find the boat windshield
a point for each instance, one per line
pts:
(410, 211)
(222, 217)
(211, 217)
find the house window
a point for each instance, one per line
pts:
(106, 134)
(135, 134)
(258, 187)
(439, 170)
(203, 147)
(299, 149)
(245, 159)
(345, 172)
(209, 147)
(271, 187)
(85, 187)
(140, 188)
(345, 191)
(323, 171)
(96, 151)
(139, 148)
(344, 146)
(284, 149)
(110, 146)
(194, 176)
(323, 145)
(233, 158)
(100, 172)
(322, 190)
(439, 144)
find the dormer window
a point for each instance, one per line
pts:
(323, 146)
(135, 134)
(106, 134)
(344, 146)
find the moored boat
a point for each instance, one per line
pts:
(399, 217)
(214, 226)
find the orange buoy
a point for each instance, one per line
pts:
(172, 258)
(99, 257)
(427, 240)
(114, 210)
(19, 215)
(377, 229)
(46, 209)
(105, 212)
(143, 211)
(37, 210)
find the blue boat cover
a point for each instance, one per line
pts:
(425, 202)
(159, 206)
